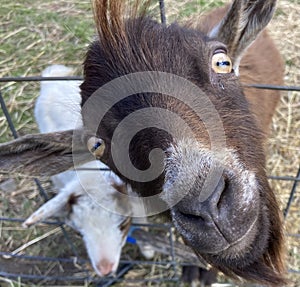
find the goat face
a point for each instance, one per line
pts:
(216, 191)
(103, 232)
(215, 187)
(103, 229)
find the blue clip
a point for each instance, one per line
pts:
(130, 239)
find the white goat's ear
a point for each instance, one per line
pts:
(43, 154)
(60, 205)
(242, 23)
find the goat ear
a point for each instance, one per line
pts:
(43, 154)
(56, 206)
(242, 23)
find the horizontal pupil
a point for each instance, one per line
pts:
(96, 146)
(223, 63)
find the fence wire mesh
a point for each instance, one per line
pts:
(10, 260)
(72, 267)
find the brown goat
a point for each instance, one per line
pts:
(202, 155)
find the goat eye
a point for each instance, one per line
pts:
(124, 226)
(96, 146)
(221, 63)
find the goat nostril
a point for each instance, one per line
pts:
(221, 192)
(105, 267)
(196, 211)
(191, 217)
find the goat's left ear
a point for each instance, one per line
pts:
(44, 154)
(242, 23)
(60, 205)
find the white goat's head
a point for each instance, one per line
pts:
(87, 199)
(93, 211)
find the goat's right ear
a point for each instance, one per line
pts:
(242, 23)
(43, 154)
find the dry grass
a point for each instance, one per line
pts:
(284, 149)
(37, 33)
(33, 35)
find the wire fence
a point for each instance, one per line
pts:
(170, 265)
(171, 262)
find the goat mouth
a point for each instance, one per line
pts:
(223, 246)
(240, 244)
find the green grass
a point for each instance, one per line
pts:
(33, 35)
(41, 35)
(198, 6)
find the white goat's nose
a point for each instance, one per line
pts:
(105, 267)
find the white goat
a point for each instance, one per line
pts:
(104, 232)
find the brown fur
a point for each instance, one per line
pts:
(23, 152)
(261, 64)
